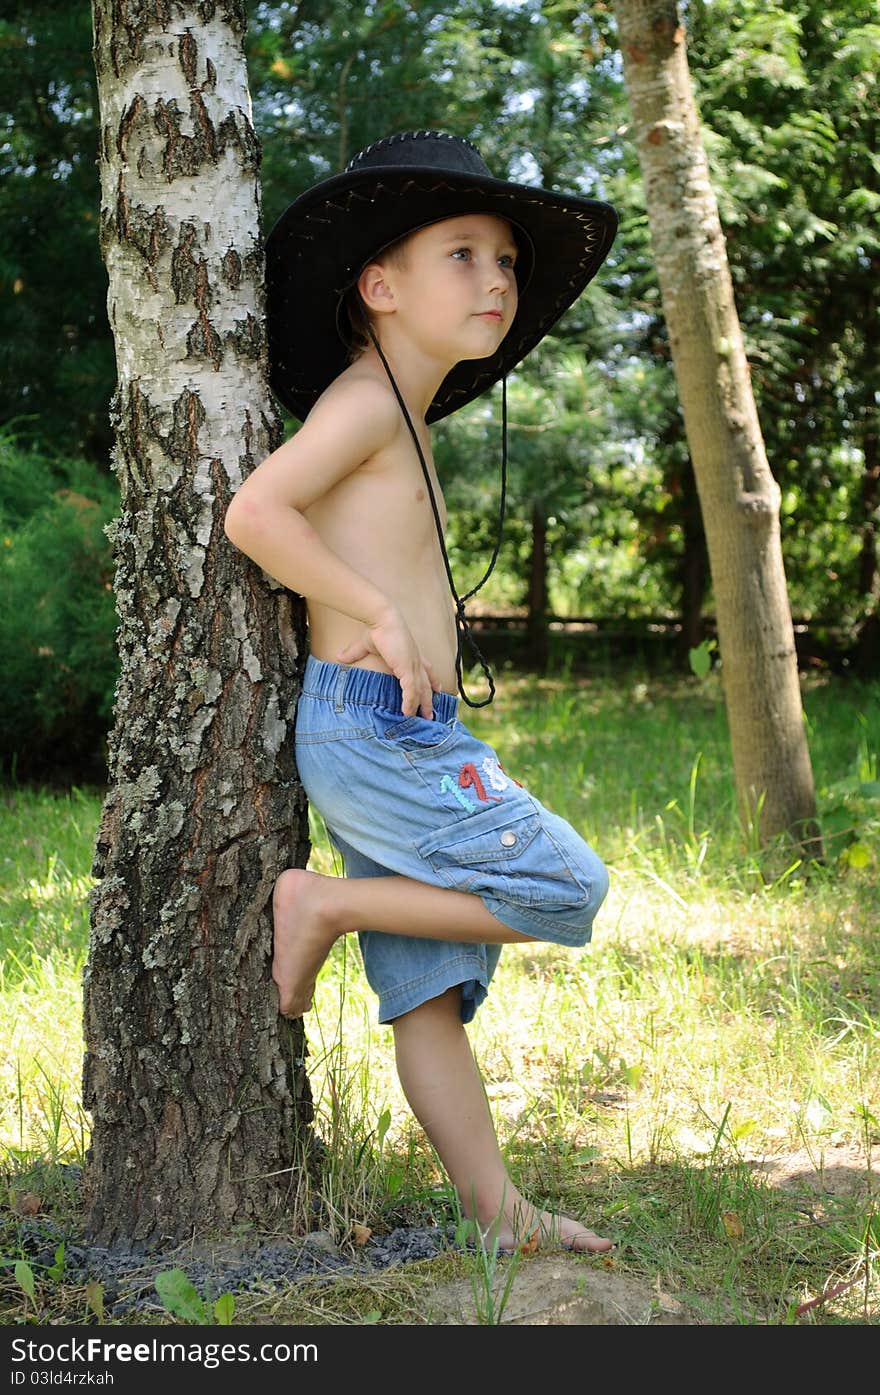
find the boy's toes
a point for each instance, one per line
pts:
(587, 1242)
(293, 1009)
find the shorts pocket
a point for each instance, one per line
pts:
(416, 735)
(507, 852)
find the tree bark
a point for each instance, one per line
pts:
(738, 494)
(199, 1099)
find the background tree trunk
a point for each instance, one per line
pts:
(738, 494)
(198, 1103)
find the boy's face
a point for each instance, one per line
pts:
(454, 272)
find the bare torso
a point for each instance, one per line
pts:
(379, 520)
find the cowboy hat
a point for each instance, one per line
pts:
(320, 244)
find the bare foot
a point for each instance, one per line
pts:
(303, 937)
(522, 1227)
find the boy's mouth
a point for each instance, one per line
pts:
(490, 315)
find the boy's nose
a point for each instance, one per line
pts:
(496, 282)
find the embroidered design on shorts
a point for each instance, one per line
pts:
(447, 783)
(494, 772)
(469, 778)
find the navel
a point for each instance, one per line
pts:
(420, 493)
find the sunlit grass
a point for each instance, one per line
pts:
(722, 1026)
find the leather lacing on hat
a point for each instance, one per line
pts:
(407, 135)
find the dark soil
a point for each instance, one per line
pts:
(128, 1277)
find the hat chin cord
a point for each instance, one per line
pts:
(463, 629)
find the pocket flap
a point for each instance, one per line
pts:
(493, 835)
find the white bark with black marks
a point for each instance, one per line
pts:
(199, 1100)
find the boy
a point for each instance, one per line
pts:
(397, 291)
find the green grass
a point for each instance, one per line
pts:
(701, 1083)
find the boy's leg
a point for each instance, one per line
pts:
(471, 857)
(441, 1081)
(404, 970)
(311, 911)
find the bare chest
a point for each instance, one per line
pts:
(384, 507)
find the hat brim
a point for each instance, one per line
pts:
(319, 245)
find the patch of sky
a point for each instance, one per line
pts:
(525, 170)
(519, 101)
(269, 16)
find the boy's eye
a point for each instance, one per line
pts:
(505, 256)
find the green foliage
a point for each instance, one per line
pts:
(57, 613)
(181, 1298)
(24, 1277)
(787, 94)
(56, 352)
(849, 809)
(700, 658)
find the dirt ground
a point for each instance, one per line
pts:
(561, 1290)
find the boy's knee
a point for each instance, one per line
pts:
(530, 867)
(599, 884)
(590, 878)
(574, 923)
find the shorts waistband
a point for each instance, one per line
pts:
(348, 683)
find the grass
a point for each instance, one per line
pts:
(701, 1083)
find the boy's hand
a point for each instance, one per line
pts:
(391, 639)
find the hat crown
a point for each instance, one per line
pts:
(425, 149)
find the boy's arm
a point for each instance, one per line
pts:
(265, 519)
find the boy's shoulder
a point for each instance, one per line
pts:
(356, 394)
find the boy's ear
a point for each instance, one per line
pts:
(376, 291)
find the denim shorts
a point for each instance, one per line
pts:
(424, 798)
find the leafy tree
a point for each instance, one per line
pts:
(56, 352)
(788, 93)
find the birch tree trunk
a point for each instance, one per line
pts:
(738, 494)
(199, 1099)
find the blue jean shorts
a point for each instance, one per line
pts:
(424, 798)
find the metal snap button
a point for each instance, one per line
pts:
(508, 839)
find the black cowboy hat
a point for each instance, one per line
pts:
(321, 243)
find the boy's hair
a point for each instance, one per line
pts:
(358, 339)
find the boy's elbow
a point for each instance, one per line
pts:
(240, 518)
